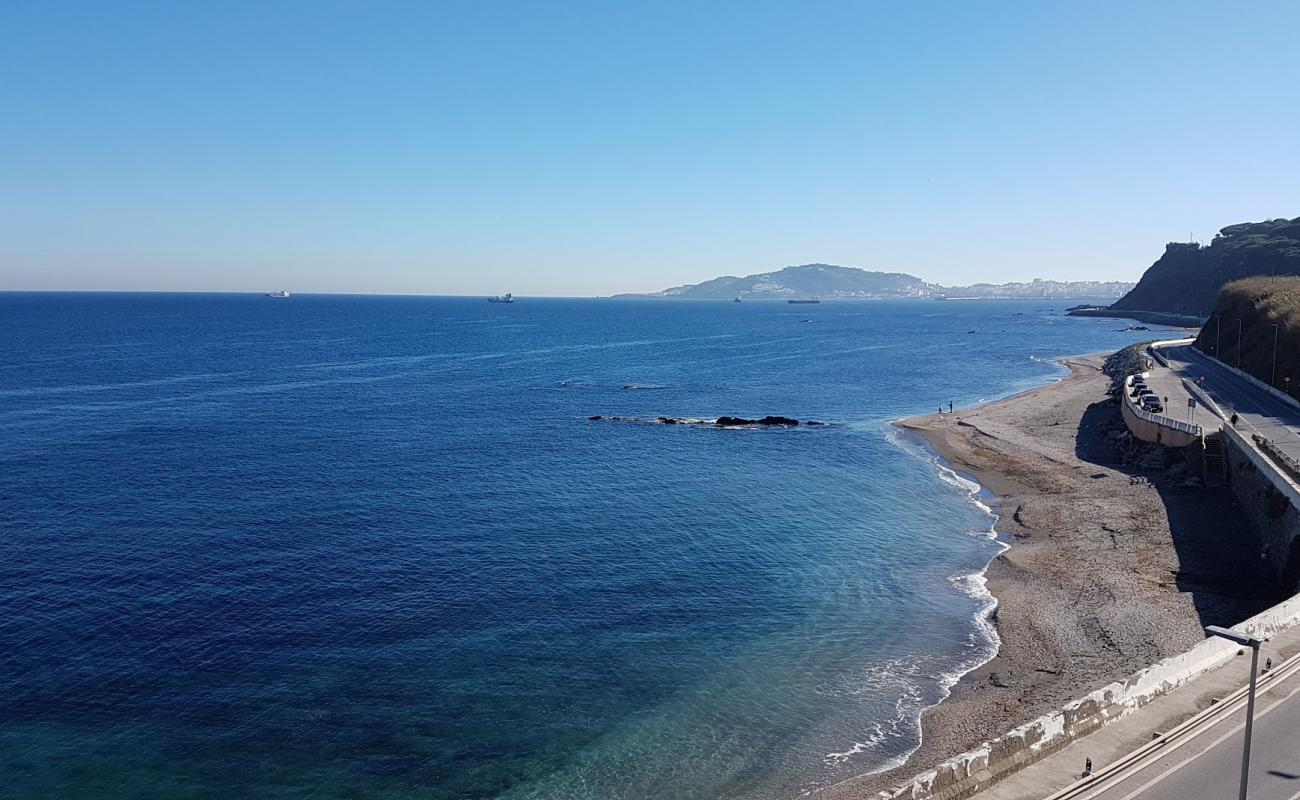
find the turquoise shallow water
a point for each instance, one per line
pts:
(337, 547)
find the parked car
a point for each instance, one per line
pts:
(1152, 403)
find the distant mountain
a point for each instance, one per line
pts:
(1188, 277)
(822, 280)
(830, 281)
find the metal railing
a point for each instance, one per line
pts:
(1158, 356)
(1288, 464)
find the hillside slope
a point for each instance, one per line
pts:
(1258, 304)
(1188, 277)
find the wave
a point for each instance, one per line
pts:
(982, 643)
(39, 391)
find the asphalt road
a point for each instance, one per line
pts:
(1258, 411)
(1208, 766)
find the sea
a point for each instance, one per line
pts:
(373, 546)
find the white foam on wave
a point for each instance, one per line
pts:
(873, 738)
(973, 492)
(982, 643)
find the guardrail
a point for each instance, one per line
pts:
(1204, 399)
(1251, 379)
(1288, 464)
(1160, 359)
(1252, 452)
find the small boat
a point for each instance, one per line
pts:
(808, 301)
(737, 300)
(278, 293)
(502, 298)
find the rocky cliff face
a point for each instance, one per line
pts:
(1188, 277)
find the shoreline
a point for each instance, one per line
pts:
(1082, 590)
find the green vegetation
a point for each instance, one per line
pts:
(1252, 307)
(1187, 278)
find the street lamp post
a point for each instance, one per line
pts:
(1238, 343)
(1273, 381)
(1253, 642)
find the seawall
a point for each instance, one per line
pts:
(970, 772)
(1272, 502)
(1153, 317)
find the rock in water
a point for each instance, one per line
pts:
(732, 422)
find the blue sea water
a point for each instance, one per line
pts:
(372, 547)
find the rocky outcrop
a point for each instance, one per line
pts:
(733, 422)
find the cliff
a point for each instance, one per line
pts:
(1188, 277)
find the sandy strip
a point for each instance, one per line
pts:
(1110, 568)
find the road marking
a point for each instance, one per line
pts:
(1233, 732)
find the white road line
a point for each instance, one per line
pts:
(1233, 732)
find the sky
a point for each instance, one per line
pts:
(586, 148)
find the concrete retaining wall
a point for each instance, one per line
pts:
(1150, 431)
(1272, 502)
(974, 771)
(1155, 427)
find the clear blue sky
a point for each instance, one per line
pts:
(587, 148)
